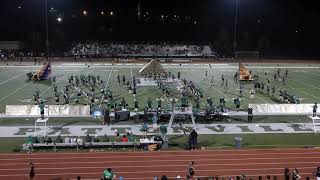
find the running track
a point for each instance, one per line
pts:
(146, 165)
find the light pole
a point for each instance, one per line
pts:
(235, 30)
(47, 29)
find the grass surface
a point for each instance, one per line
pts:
(16, 90)
(250, 140)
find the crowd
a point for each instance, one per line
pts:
(126, 137)
(107, 49)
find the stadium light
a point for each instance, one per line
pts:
(111, 13)
(102, 13)
(84, 12)
(59, 19)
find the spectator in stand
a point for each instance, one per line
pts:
(124, 138)
(49, 140)
(286, 174)
(130, 137)
(59, 139)
(96, 139)
(35, 139)
(105, 138)
(67, 139)
(117, 138)
(88, 138)
(79, 140)
(193, 140)
(42, 140)
(317, 173)
(295, 174)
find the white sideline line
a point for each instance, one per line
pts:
(14, 77)
(222, 93)
(187, 155)
(15, 91)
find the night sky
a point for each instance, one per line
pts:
(288, 28)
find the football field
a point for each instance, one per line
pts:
(303, 81)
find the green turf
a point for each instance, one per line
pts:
(11, 144)
(303, 82)
(250, 140)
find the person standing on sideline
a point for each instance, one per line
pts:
(41, 106)
(155, 122)
(32, 173)
(315, 107)
(193, 140)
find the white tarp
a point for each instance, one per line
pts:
(281, 109)
(51, 110)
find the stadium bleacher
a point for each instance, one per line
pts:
(108, 49)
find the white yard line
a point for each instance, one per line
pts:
(297, 90)
(222, 93)
(313, 79)
(105, 88)
(14, 77)
(15, 91)
(45, 91)
(109, 78)
(303, 83)
(258, 97)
